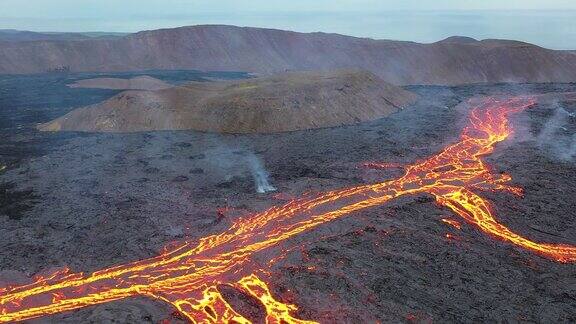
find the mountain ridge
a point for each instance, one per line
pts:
(267, 51)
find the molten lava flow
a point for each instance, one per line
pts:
(452, 223)
(213, 308)
(188, 276)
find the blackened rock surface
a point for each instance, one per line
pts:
(392, 263)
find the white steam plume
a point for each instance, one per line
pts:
(260, 174)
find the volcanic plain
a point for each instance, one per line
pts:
(92, 200)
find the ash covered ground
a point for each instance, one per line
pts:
(89, 201)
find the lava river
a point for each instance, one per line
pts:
(189, 276)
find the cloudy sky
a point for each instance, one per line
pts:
(545, 22)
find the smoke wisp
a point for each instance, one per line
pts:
(259, 174)
(230, 163)
(556, 137)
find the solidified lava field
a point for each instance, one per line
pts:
(92, 201)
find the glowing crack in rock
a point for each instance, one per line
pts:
(188, 276)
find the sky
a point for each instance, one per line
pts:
(549, 23)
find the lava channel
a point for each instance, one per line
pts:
(188, 276)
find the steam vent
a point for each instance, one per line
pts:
(286, 102)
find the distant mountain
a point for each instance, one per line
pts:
(459, 40)
(453, 61)
(12, 35)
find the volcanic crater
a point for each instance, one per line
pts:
(286, 102)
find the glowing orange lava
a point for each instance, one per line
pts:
(188, 276)
(452, 223)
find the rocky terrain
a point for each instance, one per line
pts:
(143, 82)
(285, 102)
(100, 199)
(454, 61)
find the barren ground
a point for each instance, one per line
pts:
(95, 200)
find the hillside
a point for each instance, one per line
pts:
(286, 102)
(454, 61)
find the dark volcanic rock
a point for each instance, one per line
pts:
(180, 178)
(137, 83)
(13, 202)
(392, 263)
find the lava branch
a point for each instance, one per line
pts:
(188, 276)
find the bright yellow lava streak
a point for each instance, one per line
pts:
(188, 276)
